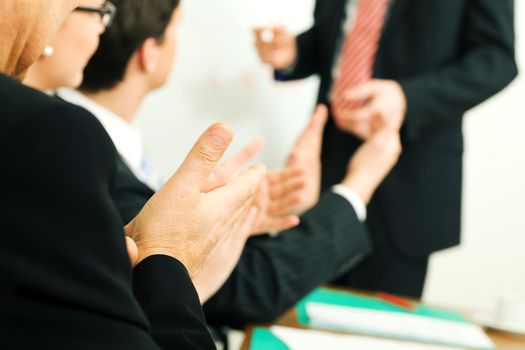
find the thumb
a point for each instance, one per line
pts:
(280, 30)
(388, 140)
(319, 119)
(232, 166)
(281, 35)
(361, 92)
(133, 251)
(204, 156)
(314, 131)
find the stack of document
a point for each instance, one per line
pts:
(398, 325)
(301, 339)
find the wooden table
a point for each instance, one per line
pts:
(503, 341)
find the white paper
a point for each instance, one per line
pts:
(300, 339)
(399, 326)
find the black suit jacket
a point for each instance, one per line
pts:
(448, 56)
(273, 273)
(65, 277)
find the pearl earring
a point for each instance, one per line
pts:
(48, 51)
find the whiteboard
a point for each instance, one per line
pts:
(218, 76)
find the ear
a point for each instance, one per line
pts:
(148, 55)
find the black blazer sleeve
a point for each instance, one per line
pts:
(66, 278)
(129, 193)
(486, 65)
(165, 291)
(275, 273)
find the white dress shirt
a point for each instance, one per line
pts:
(355, 200)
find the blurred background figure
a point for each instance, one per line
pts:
(218, 78)
(63, 61)
(417, 66)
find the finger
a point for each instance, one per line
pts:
(319, 118)
(133, 251)
(285, 174)
(269, 53)
(362, 130)
(275, 38)
(232, 232)
(262, 196)
(257, 31)
(285, 182)
(204, 156)
(250, 220)
(281, 33)
(263, 46)
(385, 137)
(271, 59)
(242, 221)
(308, 145)
(285, 206)
(129, 229)
(240, 189)
(233, 165)
(387, 143)
(287, 188)
(361, 92)
(239, 218)
(362, 114)
(315, 128)
(265, 35)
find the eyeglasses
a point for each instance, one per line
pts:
(107, 12)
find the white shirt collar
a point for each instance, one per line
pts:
(125, 136)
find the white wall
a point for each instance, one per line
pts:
(218, 76)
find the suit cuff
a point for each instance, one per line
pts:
(353, 198)
(161, 281)
(283, 74)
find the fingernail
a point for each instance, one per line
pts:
(221, 135)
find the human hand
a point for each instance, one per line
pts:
(275, 198)
(372, 162)
(376, 103)
(306, 155)
(279, 194)
(276, 46)
(276, 195)
(184, 221)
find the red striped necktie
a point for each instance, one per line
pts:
(359, 51)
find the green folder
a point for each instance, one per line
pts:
(332, 297)
(264, 339)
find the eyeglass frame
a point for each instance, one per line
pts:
(107, 12)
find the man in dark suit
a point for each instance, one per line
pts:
(66, 279)
(273, 273)
(417, 65)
